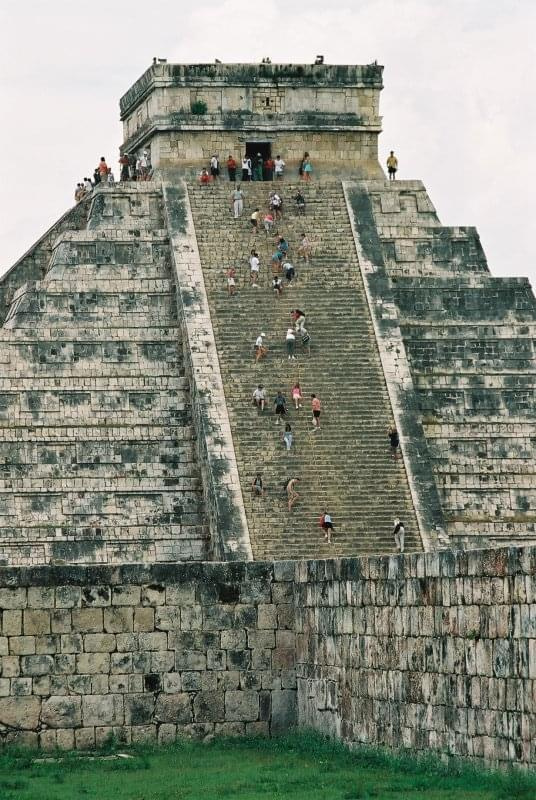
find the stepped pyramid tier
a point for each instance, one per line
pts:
(127, 427)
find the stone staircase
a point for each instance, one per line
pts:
(97, 457)
(470, 338)
(345, 467)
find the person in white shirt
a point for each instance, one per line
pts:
(291, 344)
(246, 169)
(259, 397)
(88, 186)
(254, 266)
(279, 166)
(260, 347)
(214, 167)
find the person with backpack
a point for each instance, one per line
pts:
(280, 406)
(257, 486)
(326, 523)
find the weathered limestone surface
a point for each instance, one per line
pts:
(433, 651)
(469, 339)
(330, 110)
(145, 652)
(96, 437)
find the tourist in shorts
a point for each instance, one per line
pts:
(260, 348)
(254, 266)
(231, 281)
(257, 486)
(305, 249)
(326, 523)
(297, 395)
(254, 219)
(392, 165)
(276, 261)
(268, 221)
(280, 406)
(259, 397)
(277, 285)
(279, 167)
(292, 494)
(316, 408)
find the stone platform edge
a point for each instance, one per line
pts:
(394, 361)
(221, 482)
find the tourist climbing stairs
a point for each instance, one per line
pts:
(345, 467)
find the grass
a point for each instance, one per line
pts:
(301, 766)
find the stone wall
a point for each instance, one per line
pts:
(145, 653)
(432, 651)
(435, 652)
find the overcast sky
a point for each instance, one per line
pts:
(458, 103)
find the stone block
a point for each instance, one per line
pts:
(209, 707)
(241, 706)
(84, 738)
(62, 712)
(10, 666)
(267, 615)
(22, 645)
(153, 641)
(126, 595)
(92, 663)
(98, 710)
(71, 643)
(142, 734)
(36, 622)
(144, 619)
(37, 665)
(87, 620)
(60, 621)
(13, 598)
(190, 660)
(12, 622)
(41, 597)
(167, 733)
(20, 712)
(47, 644)
(284, 710)
(233, 639)
(139, 709)
(65, 739)
(99, 642)
(168, 618)
(68, 596)
(174, 708)
(118, 619)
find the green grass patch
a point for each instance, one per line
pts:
(301, 766)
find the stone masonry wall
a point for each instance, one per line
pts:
(145, 653)
(433, 651)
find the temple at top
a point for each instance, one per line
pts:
(128, 431)
(185, 113)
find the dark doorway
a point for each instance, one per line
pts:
(252, 151)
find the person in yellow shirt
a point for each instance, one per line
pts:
(392, 165)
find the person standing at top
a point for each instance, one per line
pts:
(279, 167)
(246, 168)
(237, 201)
(307, 169)
(214, 167)
(259, 162)
(392, 165)
(103, 170)
(231, 168)
(269, 165)
(123, 162)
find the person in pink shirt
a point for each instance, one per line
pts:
(297, 395)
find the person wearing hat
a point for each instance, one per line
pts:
(257, 174)
(260, 347)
